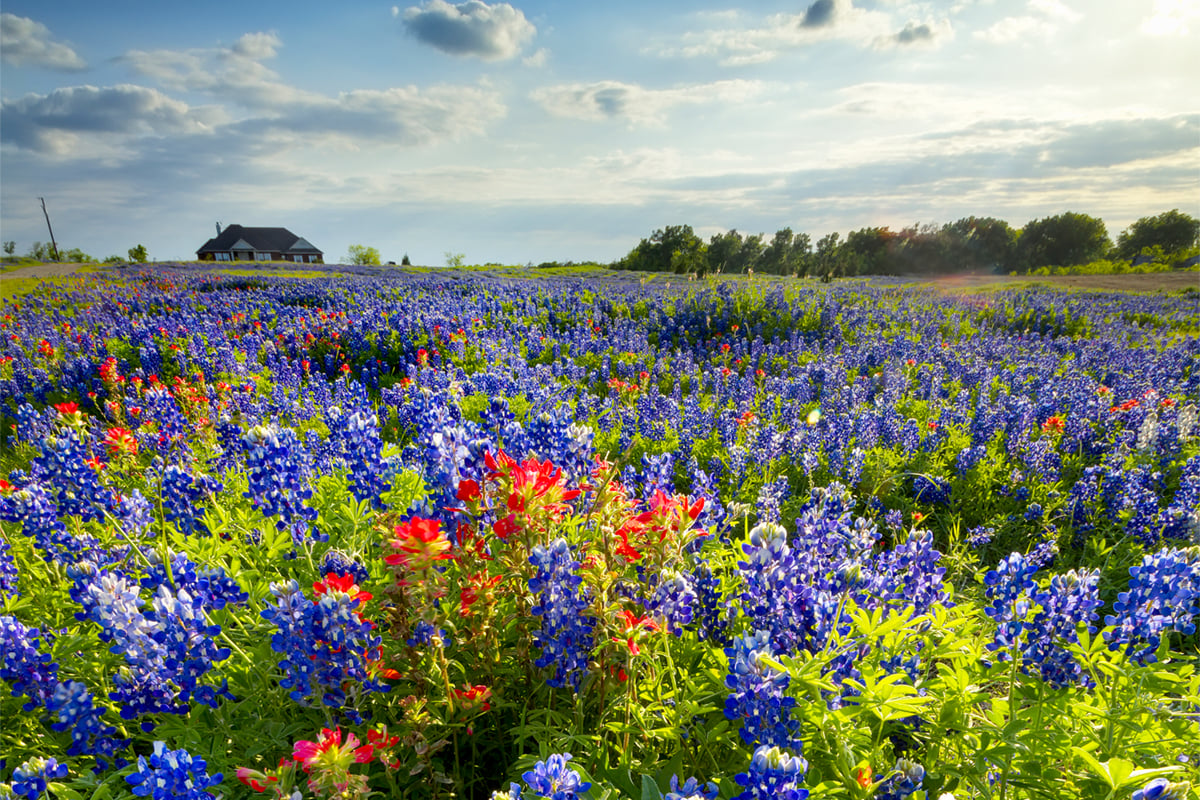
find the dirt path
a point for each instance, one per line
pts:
(41, 271)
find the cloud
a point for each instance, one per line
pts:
(253, 112)
(23, 41)
(538, 59)
(256, 46)
(1171, 17)
(1043, 22)
(925, 34)
(819, 14)
(823, 21)
(492, 33)
(54, 123)
(605, 100)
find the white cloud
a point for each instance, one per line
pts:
(473, 28)
(1042, 21)
(538, 59)
(55, 123)
(24, 41)
(822, 21)
(1171, 17)
(604, 100)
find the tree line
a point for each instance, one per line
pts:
(970, 244)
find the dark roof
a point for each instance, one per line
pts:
(273, 240)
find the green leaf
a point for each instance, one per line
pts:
(650, 790)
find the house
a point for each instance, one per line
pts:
(236, 243)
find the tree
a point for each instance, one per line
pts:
(363, 255)
(776, 259)
(10, 247)
(1172, 231)
(138, 254)
(800, 256)
(722, 248)
(1062, 241)
(404, 262)
(455, 259)
(826, 256)
(982, 243)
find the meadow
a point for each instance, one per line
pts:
(486, 534)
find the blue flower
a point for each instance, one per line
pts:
(774, 774)
(566, 636)
(30, 779)
(172, 775)
(553, 780)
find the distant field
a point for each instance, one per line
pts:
(1149, 282)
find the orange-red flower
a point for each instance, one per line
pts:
(420, 543)
(120, 442)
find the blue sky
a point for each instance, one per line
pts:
(533, 131)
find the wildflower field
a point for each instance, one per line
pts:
(457, 535)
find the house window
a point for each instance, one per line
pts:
(312, 259)
(298, 259)
(262, 256)
(221, 256)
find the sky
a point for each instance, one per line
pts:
(545, 130)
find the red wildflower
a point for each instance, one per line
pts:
(468, 491)
(475, 696)
(341, 583)
(67, 408)
(120, 441)
(1054, 424)
(420, 543)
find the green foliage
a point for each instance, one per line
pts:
(1063, 240)
(454, 259)
(10, 247)
(1170, 231)
(138, 254)
(363, 256)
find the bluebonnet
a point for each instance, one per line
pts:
(279, 471)
(29, 780)
(63, 466)
(673, 600)
(930, 489)
(552, 779)
(136, 515)
(904, 781)
(691, 789)
(1043, 555)
(1008, 594)
(770, 498)
(8, 570)
(1163, 595)
(1161, 789)
(566, 636)
(73, 709)
(757, 698)
(980, 536)
(1070, 600)
(25, 666)
(340, 563)
(181, 496)
(714, 614)
(357, 436)
(774, 774)
(172, 775)
(323, 646)
(166, 648)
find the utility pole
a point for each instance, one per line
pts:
(53, 245)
